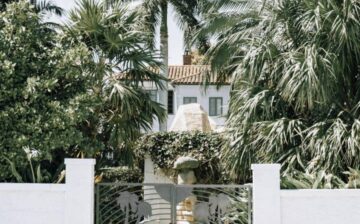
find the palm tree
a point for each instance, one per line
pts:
(155, 12)
(143, 210)
(123, 60)
(127, 201)
(44, 6)
(295, 94)
(219, 203)
(224, 22)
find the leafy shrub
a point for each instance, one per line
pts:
(121, 174)
(165, 147)
(43, 82)
(54, 100)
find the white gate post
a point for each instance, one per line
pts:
(266, 194)
(79, 196)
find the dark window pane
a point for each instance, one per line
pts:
(212, 109)
(170, 102)
(188, 100)
(152, 94)
(215, 106)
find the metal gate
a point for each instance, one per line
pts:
(118, 203)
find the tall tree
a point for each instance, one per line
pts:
(155, 13)
(60, 91)
(295, 97)
(42, 82)
(224, 22)
(122, 109)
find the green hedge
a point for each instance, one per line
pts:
(121, 174)
(165, 147)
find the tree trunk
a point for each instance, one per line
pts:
(127, 215)
(164, 45)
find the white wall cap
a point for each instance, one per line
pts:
(86, 162)
(274, 166)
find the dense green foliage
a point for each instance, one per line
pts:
(3, 4)
(165, 148)
(295, 97)
(41, 6)
(121, 174)
(60, 95)
(119, 46)
(320, 179)
(42, 84)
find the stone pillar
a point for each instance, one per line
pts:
(266, 193)
(79, 196)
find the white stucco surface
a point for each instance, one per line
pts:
(69, 203)
(73, 202)
(191, 117)
(320, 206)
(202, 94)
(271, 205)
(32, 203)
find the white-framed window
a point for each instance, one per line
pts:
(153, 94)
(215, 106)
(187, 100)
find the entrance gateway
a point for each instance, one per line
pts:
(125, 203)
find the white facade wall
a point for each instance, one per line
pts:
(271, 205)
(320, 206)
(69, 203)
(32, 203)
(202, 94)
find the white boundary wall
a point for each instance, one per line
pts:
(69, 203)
(274, 206)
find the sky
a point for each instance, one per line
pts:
(176, 43)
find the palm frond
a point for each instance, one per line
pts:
(295, 94)
(124, 59)
(48, 7)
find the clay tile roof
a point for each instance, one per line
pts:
(191, 75)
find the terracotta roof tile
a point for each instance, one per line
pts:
(191, 74)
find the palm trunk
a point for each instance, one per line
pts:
(164, 45)
(127, 215)
(219, 216)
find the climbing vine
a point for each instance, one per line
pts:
(165, 147)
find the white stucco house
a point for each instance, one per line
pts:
(186, 86)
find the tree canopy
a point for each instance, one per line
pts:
(43, 80)
(120, 48)
(41, 6)
(295, 94)
(60, 89)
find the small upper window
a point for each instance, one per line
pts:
(215, 106)
(188, 100)
(152, 94)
